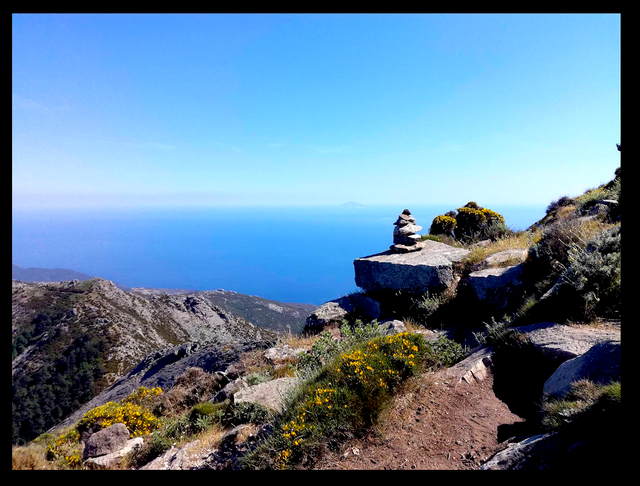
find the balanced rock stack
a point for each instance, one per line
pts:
(405, 238)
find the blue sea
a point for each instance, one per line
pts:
(302, 255)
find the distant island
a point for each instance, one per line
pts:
(352, 204)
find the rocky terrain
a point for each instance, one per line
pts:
(53, 321)
(522, 332)
(264, 313)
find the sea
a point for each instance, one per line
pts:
(287, 254)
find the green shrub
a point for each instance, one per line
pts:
(245, 412)
(429, 237)
(205, 409)
(593, 274)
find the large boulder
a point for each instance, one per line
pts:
(560, 342)
(497, 288)
(601, 364)
(271, 394)
(282, 353)
(106, 441)
(332, 313)
(427, 270)
(539, 452)
(109, 461)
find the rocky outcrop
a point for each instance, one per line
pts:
(332, 313)
(559, 342)
(282, 353)
(271, 394)
(497, 288)
(601, 364)
(427, 270)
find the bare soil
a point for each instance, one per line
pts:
(433, 424)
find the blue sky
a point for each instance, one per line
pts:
(192, 110)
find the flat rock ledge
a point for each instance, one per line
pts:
(429, 269)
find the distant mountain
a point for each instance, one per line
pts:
(264, 313)
(36, 274)
(352, 204)
(71, 340)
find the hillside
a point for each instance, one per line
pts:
(508, 357)
(264, 313)
(72, 339)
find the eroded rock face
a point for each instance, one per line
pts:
(427, 270)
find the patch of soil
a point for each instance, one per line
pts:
(433, 423)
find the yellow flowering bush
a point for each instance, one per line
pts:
(442, 225)
(65, 449)
(346, 397)
(130, 411)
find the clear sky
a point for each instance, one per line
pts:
(312, 109)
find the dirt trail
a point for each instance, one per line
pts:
(434, 424)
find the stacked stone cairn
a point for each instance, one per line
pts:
(405, 238)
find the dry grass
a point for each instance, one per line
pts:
(299, 341)
(207, 440)
(193, 386)
(516, 241)
(30, 457)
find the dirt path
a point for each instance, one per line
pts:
(433, 424)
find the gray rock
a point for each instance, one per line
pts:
(281, 353)
(407, 248)
(230, 390)
(405, 219)
(109, 461)
(559, 342)
(106, 441)
(390, 327)
(474, 368)
(271, 394)
(539, 452)
(497, 288)
(408, 229)
(429, 269)
(335, 311)
(332, 312)
(600, 364)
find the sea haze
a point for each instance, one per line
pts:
(302, 255)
